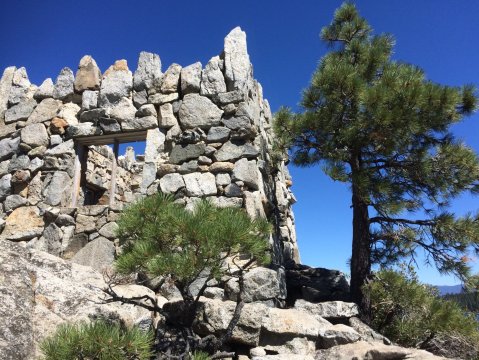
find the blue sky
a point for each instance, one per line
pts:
(441, 36)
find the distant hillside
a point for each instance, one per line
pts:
(449, 289)
(469, 301)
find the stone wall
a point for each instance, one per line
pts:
(208, 134)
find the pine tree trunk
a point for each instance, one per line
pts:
(361, 253)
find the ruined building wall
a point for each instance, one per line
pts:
(208, 134)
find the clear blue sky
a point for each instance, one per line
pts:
(441, 36)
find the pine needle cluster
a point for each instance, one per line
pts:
(98, 340)
(161, 237)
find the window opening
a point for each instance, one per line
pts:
(109, 169)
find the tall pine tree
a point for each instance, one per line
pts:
(381, 126)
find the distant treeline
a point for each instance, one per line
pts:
(468, 300)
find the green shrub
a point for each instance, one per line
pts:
(97, 341)
(411, 313)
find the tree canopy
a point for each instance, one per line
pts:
(383, 127)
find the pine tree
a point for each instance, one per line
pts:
(161, 238)
(382, 127)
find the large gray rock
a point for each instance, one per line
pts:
(362, 350)
(20, 111)
(123, 110)
(109, 126)
(338, 334)
(8, 147)
(13, 201)
(248, 172)
(199, 111)
(35, 135)
(89, 100)
(140, 123)
(140, 97)
(69, 113)
(148, 175)
(215, 315)
(65, 148)
(237, 64)
(260, 284)
(5, 186)
(223, 179)
(166, 118)
(218, 134)
(146, 110)
(6, 130)
(57, 189)
(287, 324)
(45, 111)
(49, 291)
(233, 190)
(83, 129)
(316, 284)
(98, 254)
(64, 85)
(4, 167)
(159, 99)
(20, 89)
(295, 347)
(23, 223)
(155, 144)
(109, 230)
(223, 201)
(171, 79)
(171, 183)
(235, 150)
(51, 240)
(212, 79)
(85, 224)
(330, 310)
(200, 184)
(117, 83)
(148, 72)
(230, 97)
(20, 162)
(5, 86)
(88, 76)
(243, 121)
(366, 332)
(181, 153)
(191, 78)
(45, 90)
(221, 167)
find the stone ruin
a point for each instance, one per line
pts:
(207, 131)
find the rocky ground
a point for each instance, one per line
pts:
(39, 291)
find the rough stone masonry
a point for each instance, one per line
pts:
(207, 130)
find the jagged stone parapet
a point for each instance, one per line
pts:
(207, 132)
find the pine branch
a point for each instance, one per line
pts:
(382, 219)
